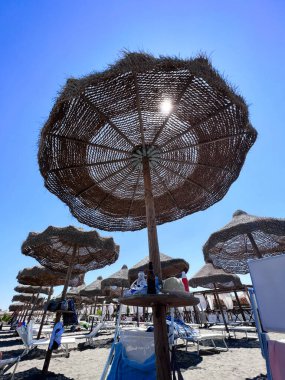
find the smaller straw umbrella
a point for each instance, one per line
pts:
(170, 267)
(17, 306)
(119, 279)
(32, 289)
(245, 237)
(210, 277)
(26, 298)
(93, 289)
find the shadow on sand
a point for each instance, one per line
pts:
(36, 374)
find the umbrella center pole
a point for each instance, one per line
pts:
(150, 219)
(254, 246)
(163, 371)
(58, 314)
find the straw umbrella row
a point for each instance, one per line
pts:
(42, 277)
(71, 251)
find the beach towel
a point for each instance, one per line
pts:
(55, 339)
(70, 319)
(125, 369)
(276, 359)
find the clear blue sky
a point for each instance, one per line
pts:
(45, 42)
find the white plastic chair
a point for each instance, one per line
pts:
(26, 334)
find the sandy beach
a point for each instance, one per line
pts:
(242, 361)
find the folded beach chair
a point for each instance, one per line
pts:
(134, 357)
(188, 334)
(26, 334)
(267, 302)
(90, 337)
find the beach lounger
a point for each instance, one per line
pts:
(234, 329)
(190, 335)
(26, 334)
(6, 364)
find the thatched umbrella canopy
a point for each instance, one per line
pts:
(93, 289)
(119, 279)
(56, 246)
(41, 276)
(74, 291)
(17, 306)
(245, 237)
(145, 142)
(210, 277)
(27, 298)
(170, 267)
(32, 289)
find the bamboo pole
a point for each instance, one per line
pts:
(34, 304)
(221, 309)
(240, 307)
(254, 246)
(163, 371)
(44, 313)
(58, 313)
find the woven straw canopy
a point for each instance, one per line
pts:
(209, 277)
(41, 276)
(170, 267)
(119, 279)
(27, 298)
(179, 114)
(31, 289)
(55, 246)
(245, 237)
(93, 289)
(17, 306)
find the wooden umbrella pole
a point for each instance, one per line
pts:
(44, 313)
(221, 309)
(163, 371)
(27, 310)
(239, 305)
(254, 246)
(21, 316)
(34, 304)
(58, 313)
(96, 297)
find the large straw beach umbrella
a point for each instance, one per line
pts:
(245, 237)
(145, 142)
(210, 277)
(170, 267)
(69, 250)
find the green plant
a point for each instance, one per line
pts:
(5, 317)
